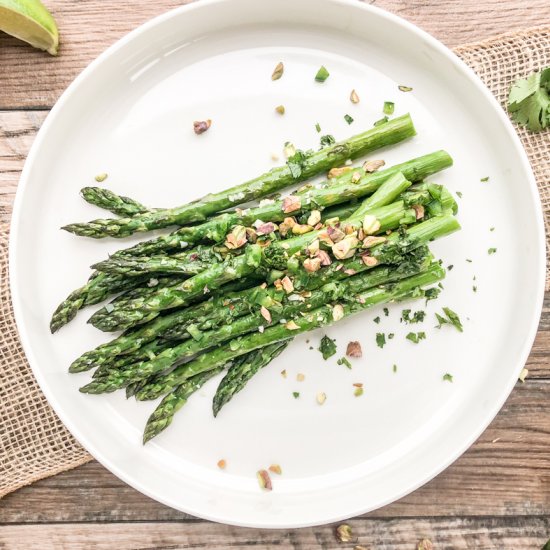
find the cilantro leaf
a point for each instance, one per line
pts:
(448, 377)
(296, 163)
(529, 100)
(380, 339)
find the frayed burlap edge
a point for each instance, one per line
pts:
(34, 444)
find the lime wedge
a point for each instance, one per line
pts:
(31, 22)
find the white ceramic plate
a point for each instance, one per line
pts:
(130, 114)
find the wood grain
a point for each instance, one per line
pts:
(497, 496)
(506, 473)
(34, 79)
(450, 533)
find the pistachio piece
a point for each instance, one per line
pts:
(278, 71)
(200, 126)
(324, 257)
(356, 176)
(236, 237)
(266, 228)
(369, 261)
(291, 325)
(286, 226)
(312, 264)
(353, 97)
(337, 172)
(321, 397)
(264, 480)
(354, 349)
(291, 203)
(280, 109)
(371, 166)
(276, 469)
(265, 314)
(371, 241)
(419, 211)
(337, 312)
(314, 217)
(370, 224)
(335, 234)
(345, 248)
(222, 464)
(301, 229)
(313, 248)
(287, 284)
(344, 533)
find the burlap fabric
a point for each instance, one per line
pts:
(33, 442)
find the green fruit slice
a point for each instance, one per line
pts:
(31, 22)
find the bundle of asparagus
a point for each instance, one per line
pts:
(230, 292)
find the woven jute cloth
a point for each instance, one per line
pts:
(34, 443)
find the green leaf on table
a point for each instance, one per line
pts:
(529, 100)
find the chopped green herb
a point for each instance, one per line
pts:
(486, 178)
(394, 368)
(459, 194)
(386, 311)
(454, 319)
(389, 107)
(380, 339)
(441, 320)
(450, 267)
(391, 335)
(358, 392)
(101, 177)
(381, 121)
(405, 88)
(468, 260)
(431, 294)
(296, 163)
(327, 347)
(296, 394)
(416, 317)
(415, 337)
(344, 361)
(322, 74)
(376, 320)
(327, 140)
(491, 228)
(448, 377)
(310, 347)
(317, 127)
(348, 119)
(491, 251)
(474, 288)
(529, 100)
(440, 285)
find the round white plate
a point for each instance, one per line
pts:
(130, 114)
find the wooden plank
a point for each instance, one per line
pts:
(31, 78)
(453, 533)
(505, 473)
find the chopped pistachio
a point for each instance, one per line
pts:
(312, 264)
(371, 166)
(278, 71)
(353, 97)
(276, 469)
(370, 224)
(265, 314)
(222, 464)
(301, 229)
(274, 156)
(344, 533)
(318, 127)
(200, 126)
(337, 172)
(321, 397)
(236, 238)
(370, 241)
(358, 392)
(523, 374)
(356, 176)
(322, 74)
(264, 480)
(287, 284)
(369, 261)
(337, 312)
(283, 373)
(289, 150)
(404, 88)
(291, 203)
(300, 377)
(291, 325)
(314, 217)
(491, 251)
(324, 258)
(101, 177)
(280, 109)
(447, 377)
(389, 107)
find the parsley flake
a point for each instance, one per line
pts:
(296, 394)
(317, 127)
(448, 377)
(327, 140)
(485, 179)
(376, 320)
(344, 361)
(380, 339)
(415, 337)
(348, 119)
(296, 163)
(491, 251)
(327, 347)
(386, 311)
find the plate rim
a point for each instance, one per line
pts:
(26, 338)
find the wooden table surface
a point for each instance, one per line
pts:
(496, 496)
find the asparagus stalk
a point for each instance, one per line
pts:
(299, 168)
(117, 204)
(214, 230)
(142, 310)
(163, 415)
(281, 308)
(316, 318)
(240, 371)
